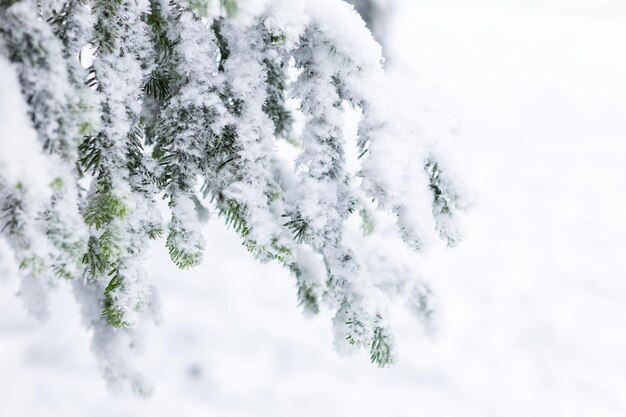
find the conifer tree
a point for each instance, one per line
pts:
(133, 101)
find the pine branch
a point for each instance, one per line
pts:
(177, 97)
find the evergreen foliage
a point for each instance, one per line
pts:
(188, 101)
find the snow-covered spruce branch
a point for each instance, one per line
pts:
(188, 101)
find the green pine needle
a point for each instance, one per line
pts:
(113, 314)
(381, 348)
(103, 208)
(299, 227)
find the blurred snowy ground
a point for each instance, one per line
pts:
(532, 304)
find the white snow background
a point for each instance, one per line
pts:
(532, 305)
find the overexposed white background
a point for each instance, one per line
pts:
(532, 305)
